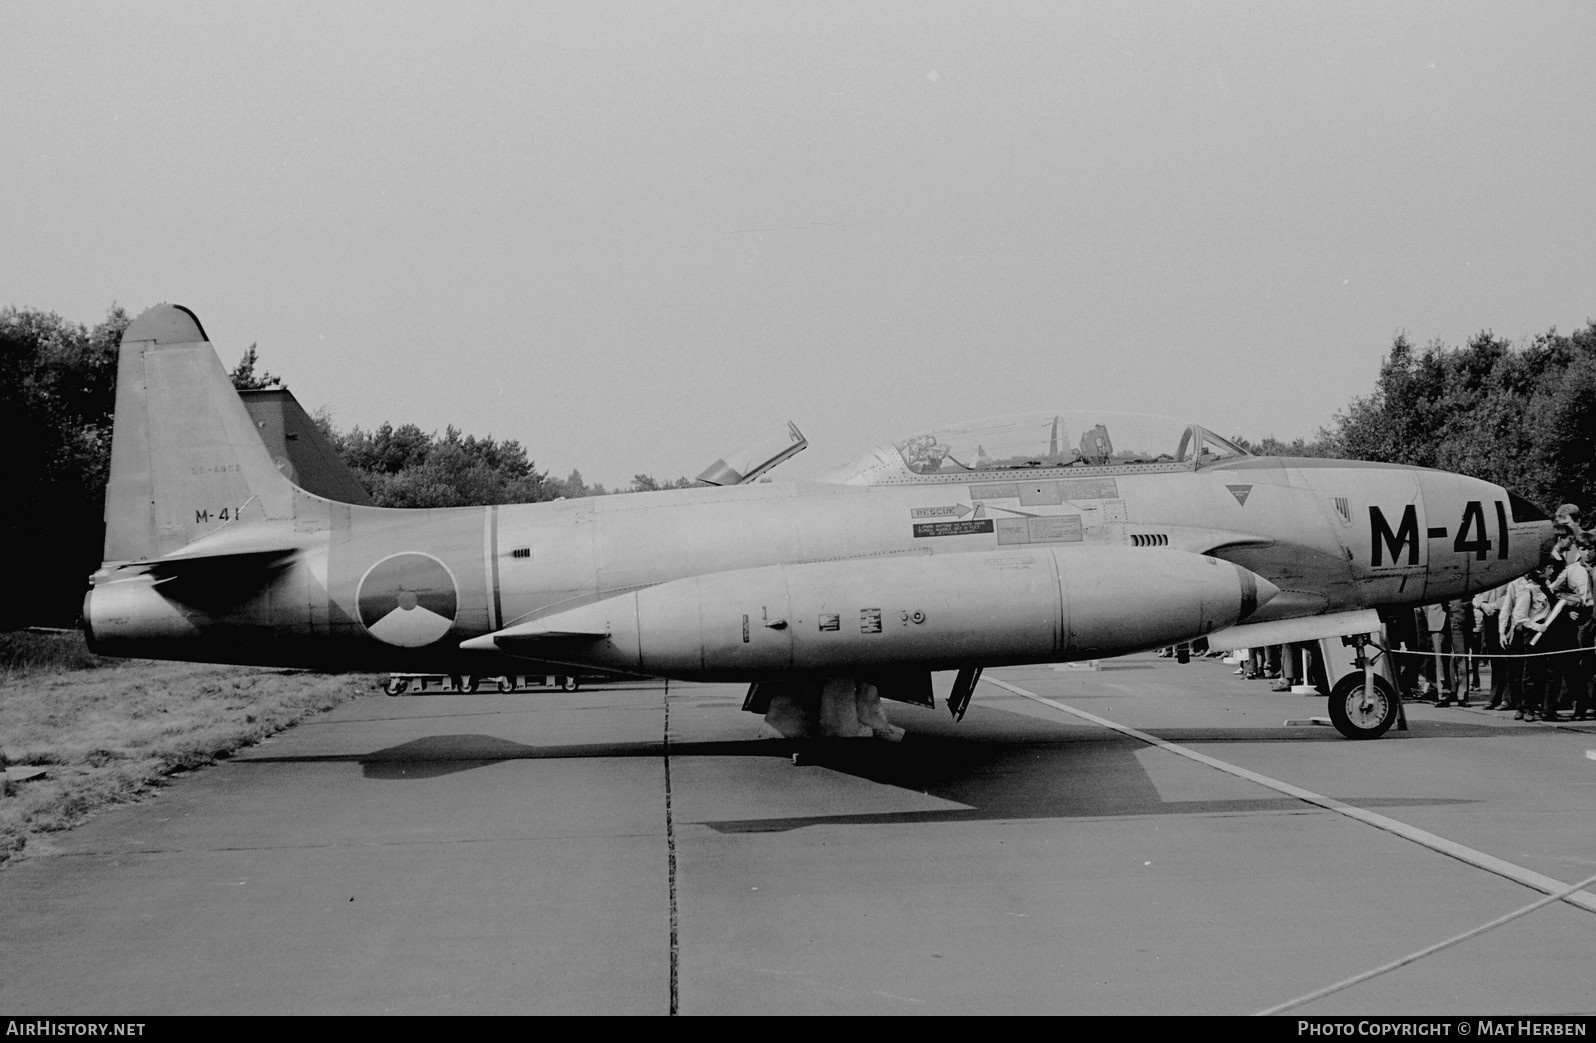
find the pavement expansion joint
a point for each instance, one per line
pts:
(1576, 896)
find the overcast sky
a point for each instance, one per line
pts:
(637, 235)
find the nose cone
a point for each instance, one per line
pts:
(1535, 530)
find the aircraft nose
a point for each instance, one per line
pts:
(1544, 531)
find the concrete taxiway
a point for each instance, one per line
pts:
(1146, 838)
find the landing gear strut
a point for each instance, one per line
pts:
(1363, 704)
(963, 688)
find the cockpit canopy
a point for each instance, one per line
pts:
(1080, 440)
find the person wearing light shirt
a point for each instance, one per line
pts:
(1487, 612)
(1573, 587)
(1521, 622)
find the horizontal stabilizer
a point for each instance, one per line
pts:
(216, 581)
(241, 561)
(1286, 631)
(228, 543)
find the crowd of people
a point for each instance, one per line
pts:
(1538, 634)
(1284, 667)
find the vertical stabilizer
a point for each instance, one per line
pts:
(186, 460)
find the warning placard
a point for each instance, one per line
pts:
(968, 527)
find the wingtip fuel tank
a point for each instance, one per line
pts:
(827, 618)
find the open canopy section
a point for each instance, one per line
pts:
(1074, 439)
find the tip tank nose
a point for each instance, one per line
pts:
(1256, 592)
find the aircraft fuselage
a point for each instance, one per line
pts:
(1331, 535)
(957, 549)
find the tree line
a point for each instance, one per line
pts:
(1522, 416)
(405, 466)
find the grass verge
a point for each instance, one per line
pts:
(109, 731)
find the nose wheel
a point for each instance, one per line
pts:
(1360, 714)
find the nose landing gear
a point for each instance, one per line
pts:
(1363, 704)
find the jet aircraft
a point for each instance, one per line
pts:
(996, 543)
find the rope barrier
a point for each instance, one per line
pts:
(1485, 655)
(1471, 655)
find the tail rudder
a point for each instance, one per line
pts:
(186, 460)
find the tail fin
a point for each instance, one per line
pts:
(186, 459)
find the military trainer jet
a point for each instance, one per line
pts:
(996, 543)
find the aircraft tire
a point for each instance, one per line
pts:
(395, 686)
(1346, 700)
(569, 683)
(506, 685)
(469, 684)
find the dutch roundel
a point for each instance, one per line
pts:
(408, 600)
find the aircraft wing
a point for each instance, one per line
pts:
(1287, 631)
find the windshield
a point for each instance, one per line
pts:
(1072, 439)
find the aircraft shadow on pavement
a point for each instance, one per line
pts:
(998, 764)
(1012, 766)
(438, 755)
